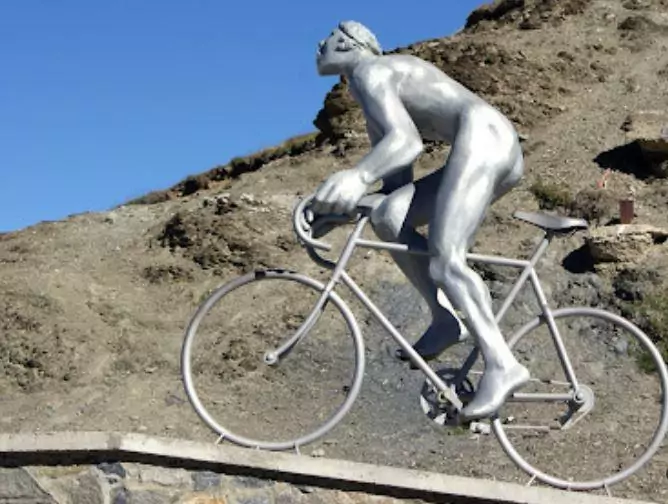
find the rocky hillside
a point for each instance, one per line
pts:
(93, 308)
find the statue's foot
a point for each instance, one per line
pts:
(496, 385)
(437, 339)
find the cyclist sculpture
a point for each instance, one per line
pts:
(406, 99)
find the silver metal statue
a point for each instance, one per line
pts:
(406, 99)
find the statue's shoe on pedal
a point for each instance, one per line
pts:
(445, 331)
(495, 387)
(435, 341)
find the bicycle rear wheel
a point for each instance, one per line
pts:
(278, 406)
(620, 374)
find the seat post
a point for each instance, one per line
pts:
(541, 247)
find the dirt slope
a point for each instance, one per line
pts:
(93, 308)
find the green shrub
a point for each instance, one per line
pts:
(652, 316)
(551, 195)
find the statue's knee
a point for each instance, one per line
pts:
(447, 268)
(385, 221)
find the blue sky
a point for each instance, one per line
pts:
(103, 101)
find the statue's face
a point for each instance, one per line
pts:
(333, 53)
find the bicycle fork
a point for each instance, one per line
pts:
(273, 358)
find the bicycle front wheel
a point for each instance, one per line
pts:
(280, 406)
(617, 422)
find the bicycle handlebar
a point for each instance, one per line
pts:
(306, 224)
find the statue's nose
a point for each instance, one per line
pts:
(321, 44)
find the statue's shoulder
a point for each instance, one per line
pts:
(371, 68)
(381, 68)
(389, 64)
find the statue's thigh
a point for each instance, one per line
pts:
(465, 192)
(411, 204)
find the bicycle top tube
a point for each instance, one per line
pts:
(305, 226)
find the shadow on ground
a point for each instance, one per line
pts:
(627, 158)
(579, 261)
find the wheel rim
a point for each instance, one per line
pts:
(657, 437)
(333, 419)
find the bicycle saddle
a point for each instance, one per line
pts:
(551, 222)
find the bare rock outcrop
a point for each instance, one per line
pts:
(624, 242)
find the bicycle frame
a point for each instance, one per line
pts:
(340, 275)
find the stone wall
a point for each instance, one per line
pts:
(135, 483)
(129, 468)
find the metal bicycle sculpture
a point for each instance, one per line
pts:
(447, 394)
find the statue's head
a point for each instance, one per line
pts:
(346, 45)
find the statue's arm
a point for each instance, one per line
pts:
(396, 141)
(402, 176)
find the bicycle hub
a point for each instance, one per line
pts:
(270, 358)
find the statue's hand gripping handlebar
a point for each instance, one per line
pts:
(309, 227)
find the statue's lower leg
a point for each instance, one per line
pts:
(443, 332)
(395, 221)
(503, 374)
(445, 329)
